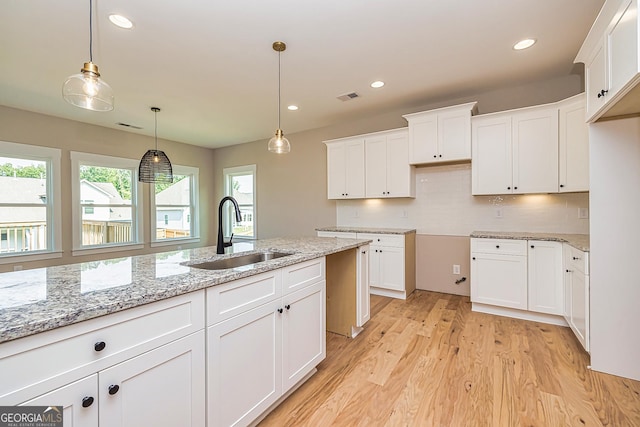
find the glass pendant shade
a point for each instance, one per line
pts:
(87, 90)
(155, 166)
(279, 144)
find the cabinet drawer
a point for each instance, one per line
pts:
(395, 240)
(45, 361)
(499, 246)
(231, 299)
(338, 234)
(576, 260)
(298, 276)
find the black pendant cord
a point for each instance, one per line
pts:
(90, 31)
(155, 128)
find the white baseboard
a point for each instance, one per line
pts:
(551, 319)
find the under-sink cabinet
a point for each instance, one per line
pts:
(117, 369)
(518, 278)
(265, 334)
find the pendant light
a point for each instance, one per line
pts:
(155, 166)
(87, 89)
(279, 144)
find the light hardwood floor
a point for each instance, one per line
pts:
(431, 361)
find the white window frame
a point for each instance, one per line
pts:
(227, 174)
(193, 174)
(51, 157)
(88, 159)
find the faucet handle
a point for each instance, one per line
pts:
(229, 243)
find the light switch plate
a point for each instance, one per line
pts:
(583, 213)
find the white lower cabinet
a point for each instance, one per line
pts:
(518, 278)
(78, 399)
(138, 367)
(256, 356)
(387, 268)
(576, 293)
(363, 297)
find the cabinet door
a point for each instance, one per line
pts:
(244, 366)
(491, 151)
(579, 320)
(499, 280)
(336, 170)
(595, 80)
(454, 136)
(391, 265)
(573, 148)
(400, 177)
(163, 387)
(376, 166)
(423, 137)
(622, 47)
(535, 151)
(545, 278)
(354, 172)
(72, 398)
(374, 266)
(303, 333)
(363, 304)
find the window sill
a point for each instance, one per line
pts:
(173, 242)
(26, 257)
(106, 249)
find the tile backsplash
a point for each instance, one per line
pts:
(444, 206)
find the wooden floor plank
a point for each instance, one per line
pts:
(430, 361)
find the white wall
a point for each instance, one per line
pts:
(444, 206)
(615, 233)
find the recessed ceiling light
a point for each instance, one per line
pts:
(377, 84)
(523, 44)
(120, 21)
(292, 107)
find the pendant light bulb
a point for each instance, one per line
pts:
(279, 144)
(86, 89)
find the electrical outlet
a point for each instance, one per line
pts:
(583, 213)
(17, 268)
(355, 213)
(498, 212)
(404, 214)
(456, 269)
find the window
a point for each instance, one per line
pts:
(240, 183)
(29, 202)
(106, 213)
(173, 205)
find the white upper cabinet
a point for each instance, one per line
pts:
(345, 168)
(387, 170)
(375, 165)
(442, 135)
(492, 159)
(573, 142)
(612, 61)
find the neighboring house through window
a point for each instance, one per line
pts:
(106, 214)
(240, 183)
(29, 202)
(173, 205)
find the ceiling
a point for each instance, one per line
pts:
(210, 67)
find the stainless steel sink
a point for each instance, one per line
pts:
(239, 261)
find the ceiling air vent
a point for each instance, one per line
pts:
(127, 125)
(348, 96)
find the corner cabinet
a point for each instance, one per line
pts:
(518, 278)
(611, 54)
(374, 165)
(573, 145)
(442, 135)
(345, 169)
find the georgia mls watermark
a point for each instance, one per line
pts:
(30, 416)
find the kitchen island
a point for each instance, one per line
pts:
(124, 334)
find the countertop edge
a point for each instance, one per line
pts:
(578, 241)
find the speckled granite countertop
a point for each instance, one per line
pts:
(578, 241)
(33, 301)
(367, 230)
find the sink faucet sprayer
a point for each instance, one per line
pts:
(221, 243)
